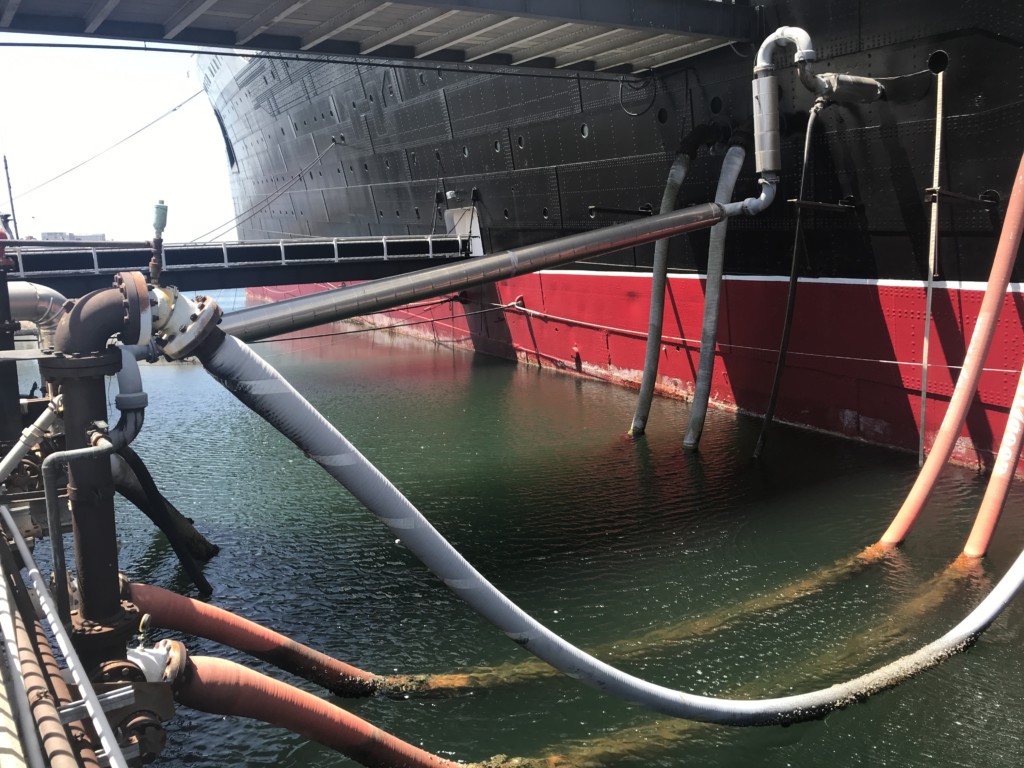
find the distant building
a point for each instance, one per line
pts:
(70, 236)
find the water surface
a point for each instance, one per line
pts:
(604, 539)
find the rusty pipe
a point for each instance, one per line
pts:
(183, 614)
(225, 688)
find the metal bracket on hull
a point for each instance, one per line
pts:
(987, 199)
(846, 205)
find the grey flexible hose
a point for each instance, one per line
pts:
(731, 167)
(260, 387)
(659, 276)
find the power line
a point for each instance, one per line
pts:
(112, 146)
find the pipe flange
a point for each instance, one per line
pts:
(182, 342)
(58, 366)
(137, 320)
(177, 660)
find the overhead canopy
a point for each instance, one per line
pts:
(603, 35)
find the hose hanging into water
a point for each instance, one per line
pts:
(256, 384)
(731, 166)
(133, 481)
(794, 269)
(974, 362)
(183, 614)
(999, 482)
(659, 274)
(225, 688)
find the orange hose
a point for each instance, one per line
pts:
(974, 360)
(999, 483)
(172, 611)
(225, 688)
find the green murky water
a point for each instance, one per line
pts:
(605, 540)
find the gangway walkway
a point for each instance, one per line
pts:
(77, 268)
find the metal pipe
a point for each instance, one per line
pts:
(37, 304)
(933, 254)
(132, 402)
(10, 410)
(316, 309)
(30, 438)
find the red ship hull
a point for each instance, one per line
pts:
(854, 366)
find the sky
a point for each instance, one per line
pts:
(60, 107)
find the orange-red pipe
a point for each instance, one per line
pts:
(974, 360)
(172, 611)
(225, 688)
(999, 483)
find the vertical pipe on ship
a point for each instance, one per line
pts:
(731, 166)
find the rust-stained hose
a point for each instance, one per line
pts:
(54, 739)
(974, 361)
(82, 738)
(172, 611)
(999, 483)
(225, 688)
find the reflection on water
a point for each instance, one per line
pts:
(607, 541)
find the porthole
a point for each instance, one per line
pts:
(465, 151)
(715, 105)
(506, 213)
(519, 142)
(662, 115)
(497, 146)
(544, 213)
(584, 130)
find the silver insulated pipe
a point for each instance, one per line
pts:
(389, 292)
(37, 304)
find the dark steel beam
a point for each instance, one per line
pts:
(699, 17)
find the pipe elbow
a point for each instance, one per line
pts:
(754, 205)
(784, 36)
(97, 316)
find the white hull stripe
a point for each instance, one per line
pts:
(947, 285)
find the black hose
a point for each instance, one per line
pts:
(794, 268)
(158, 509)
